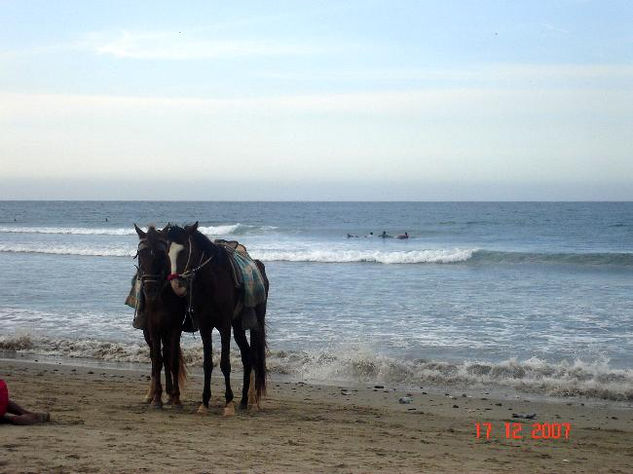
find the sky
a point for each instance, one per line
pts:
(316, 100)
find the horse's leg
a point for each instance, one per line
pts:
(225, 365)
(150, 389)
(167, 358)
(157, 367)
(174, 344)
(245, 351)
(207, 364)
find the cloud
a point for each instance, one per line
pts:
(178, 46)
(477, 74)
(447, 103)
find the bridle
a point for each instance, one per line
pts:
(188, 274)
(148, 277)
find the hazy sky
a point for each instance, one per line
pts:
(316, 100)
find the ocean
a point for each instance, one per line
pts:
(528, 297)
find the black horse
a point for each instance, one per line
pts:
(201, 270)
(164, 313)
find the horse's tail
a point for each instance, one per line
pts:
(258, 339)
(182, 369)
(258, 344)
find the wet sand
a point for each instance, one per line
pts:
(99, 424)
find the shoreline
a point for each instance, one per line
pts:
(577, 381)
(99, 424)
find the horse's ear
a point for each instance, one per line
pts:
(165, 229)
(141, 234)
(192, 228)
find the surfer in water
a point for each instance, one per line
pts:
(403, 236)
(384, 235)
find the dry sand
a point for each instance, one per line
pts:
(100, 425)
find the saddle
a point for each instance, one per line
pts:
(230, 247)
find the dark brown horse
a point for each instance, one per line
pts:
(164, 313)
(201, 271)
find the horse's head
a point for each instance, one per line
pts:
(183, 255)
(153, 262)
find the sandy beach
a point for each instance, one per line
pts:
(99, 424)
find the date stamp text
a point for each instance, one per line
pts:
(512, 430)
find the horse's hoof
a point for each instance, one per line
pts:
(147, 400)
(243, 405)
(254, 408)
(176, 405)
(157, 405)
(202, 410)
(229, 409)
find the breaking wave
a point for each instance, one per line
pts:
(358, 365)
(228, 229)
(350, 256)
(423, 256)
(105, 251)
(340, 256)
(67, 230)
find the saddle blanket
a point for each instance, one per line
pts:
(245, 273)
(135, 295)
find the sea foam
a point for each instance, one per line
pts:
(227, 229)
(351, 256)
(361, 365)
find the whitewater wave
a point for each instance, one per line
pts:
(107, 251)
(562, 379)
(342, 256)
(351, 256)
(426, 256)
(227, 229)
(68, 230)
(360, 365)
(474, 256)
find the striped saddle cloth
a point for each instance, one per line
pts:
(246, 275)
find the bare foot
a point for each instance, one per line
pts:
(30, 419)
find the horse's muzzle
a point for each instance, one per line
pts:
(151, 291)
(178, 287)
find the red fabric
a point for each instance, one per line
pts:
(4, 397)
(173, 276)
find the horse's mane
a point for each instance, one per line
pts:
(176, 233)
(204, 243)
